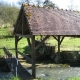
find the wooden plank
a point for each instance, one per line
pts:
(22, 60)
(9, 60)
(27, 36)
(42, 42)
(26, 57)
(33, 56)
(22, 72)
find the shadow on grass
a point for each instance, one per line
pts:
(4, 37)
(26, 50)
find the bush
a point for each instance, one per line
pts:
(8, 14)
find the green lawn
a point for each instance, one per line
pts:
(67, 44)
(4, 32)
(75, 78)
(9, 43)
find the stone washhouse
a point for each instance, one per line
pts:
(45, 21)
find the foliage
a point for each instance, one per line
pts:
(13, 78)
(8, 14)
(5, 33)
(49, 3)
(24, 1)
(38, 2)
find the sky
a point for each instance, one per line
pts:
(62, 4)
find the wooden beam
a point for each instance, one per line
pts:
(19, 38)
(33, 56)
(42, 42)
(55, 37)
(27, 36)
(61, 40)
(16, 43)
(29, 43)
(26, 57)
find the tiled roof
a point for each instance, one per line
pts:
(49, 21)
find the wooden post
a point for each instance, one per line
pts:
(33, 56)
(58, 57)
(58, 45)
(16, 43)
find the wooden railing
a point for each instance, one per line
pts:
(26, 57)
(9, 58)
(8, 54)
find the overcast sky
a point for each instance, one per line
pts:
(60, 3)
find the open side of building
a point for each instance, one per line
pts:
(45, 21)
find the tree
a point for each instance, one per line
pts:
(28, 1)
(24, 1)
(8, 13)
(38, 2)
(46, 3)
(49, 3)
(72, 6)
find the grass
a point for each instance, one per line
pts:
(67, 44)
(74, 78)
(17, 78)
(9, 43)
(4, 32)
(14, 78)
